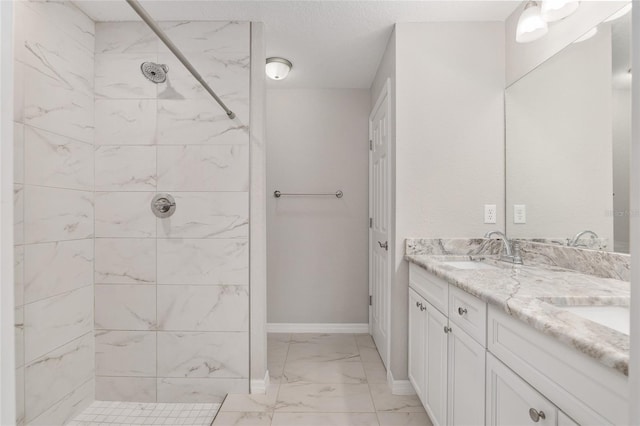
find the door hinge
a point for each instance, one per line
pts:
(370, 300)
(370, 222)
(370, 145)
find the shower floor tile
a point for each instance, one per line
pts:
(142, 413)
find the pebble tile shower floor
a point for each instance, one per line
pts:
(140, 413)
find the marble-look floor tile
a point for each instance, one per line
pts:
(207, 215)
(243, 419)
(277, 351)
(125, 307)
(324, 372)
(203, 262)
(368, 354)
(52, 322)
(323, 348)
(203, 308)
(125, 214)
(125, 122)
(125, 168)
(208, 37)
(63, 411)
(125, 261)
(314, 397)
(199, 389)
(279, 337)
(252, 402)
(55, 268)
(203, 168)
(365, 341)
(126, 353)
(375, 371)
(404, 419)
(125, 37)
(118, 76)
(325, 419)
(201, 122)
(203, 354)
(57, 161)
(139, 389)
(384, 400)
(49, 378)
(53, 214)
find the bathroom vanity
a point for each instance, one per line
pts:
(500, 344)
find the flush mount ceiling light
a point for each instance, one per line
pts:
(531, 26)
(555, 10)
(620, 13)
(278, 68)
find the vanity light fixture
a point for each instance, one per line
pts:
(619, 14)
(531, 26)
(278, 68)
(586, 36)
(555, 10)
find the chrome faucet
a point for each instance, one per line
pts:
(574, 241)
(511, 249)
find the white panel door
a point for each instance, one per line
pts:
(466, 379)
(513, 402)
(379, 214)
(437, 329)
(417, 337)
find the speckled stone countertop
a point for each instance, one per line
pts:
(529, 293)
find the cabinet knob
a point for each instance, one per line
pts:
(447, 329)
(462, 311)
(536, 415)
(422, 307)
(418, 304)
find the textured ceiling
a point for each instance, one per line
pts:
(332, 44)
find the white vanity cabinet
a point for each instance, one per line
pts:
(446, 364)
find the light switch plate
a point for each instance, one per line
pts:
(490, 213)
(519, 213)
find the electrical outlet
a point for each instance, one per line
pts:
(519, 213)
(490, 213)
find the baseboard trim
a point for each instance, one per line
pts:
(261, 385)
(360, 328)
(399, 387)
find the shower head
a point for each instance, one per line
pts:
(156, 73)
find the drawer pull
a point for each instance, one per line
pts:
(447, 329)
(418, 304)
(422, 307)
(462, 311)
(536, 415)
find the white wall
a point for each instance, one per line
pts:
(317, 256)
(523, 57)
(559, 144)
(449, 142)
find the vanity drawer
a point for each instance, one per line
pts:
(469, 313)
(434, 289)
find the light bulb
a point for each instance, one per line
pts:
(531, 26)
(555, 10)
(619, 14)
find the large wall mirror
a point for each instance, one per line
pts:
(568, 139)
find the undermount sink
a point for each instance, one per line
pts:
(615, 317)
(468, 264)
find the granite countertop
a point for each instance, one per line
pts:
(530, 293)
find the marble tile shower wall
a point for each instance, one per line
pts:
(54, 179)
(171, 295)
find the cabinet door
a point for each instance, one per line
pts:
(513, 402)
(466, 379)
(436, 373)
(417, 337)
(564, 420)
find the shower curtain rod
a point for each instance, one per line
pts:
(174, 49)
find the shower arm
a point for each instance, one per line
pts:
(174, 49)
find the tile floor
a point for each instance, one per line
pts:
(323, 380)
(139, 413)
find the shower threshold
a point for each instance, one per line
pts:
(146, 413)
